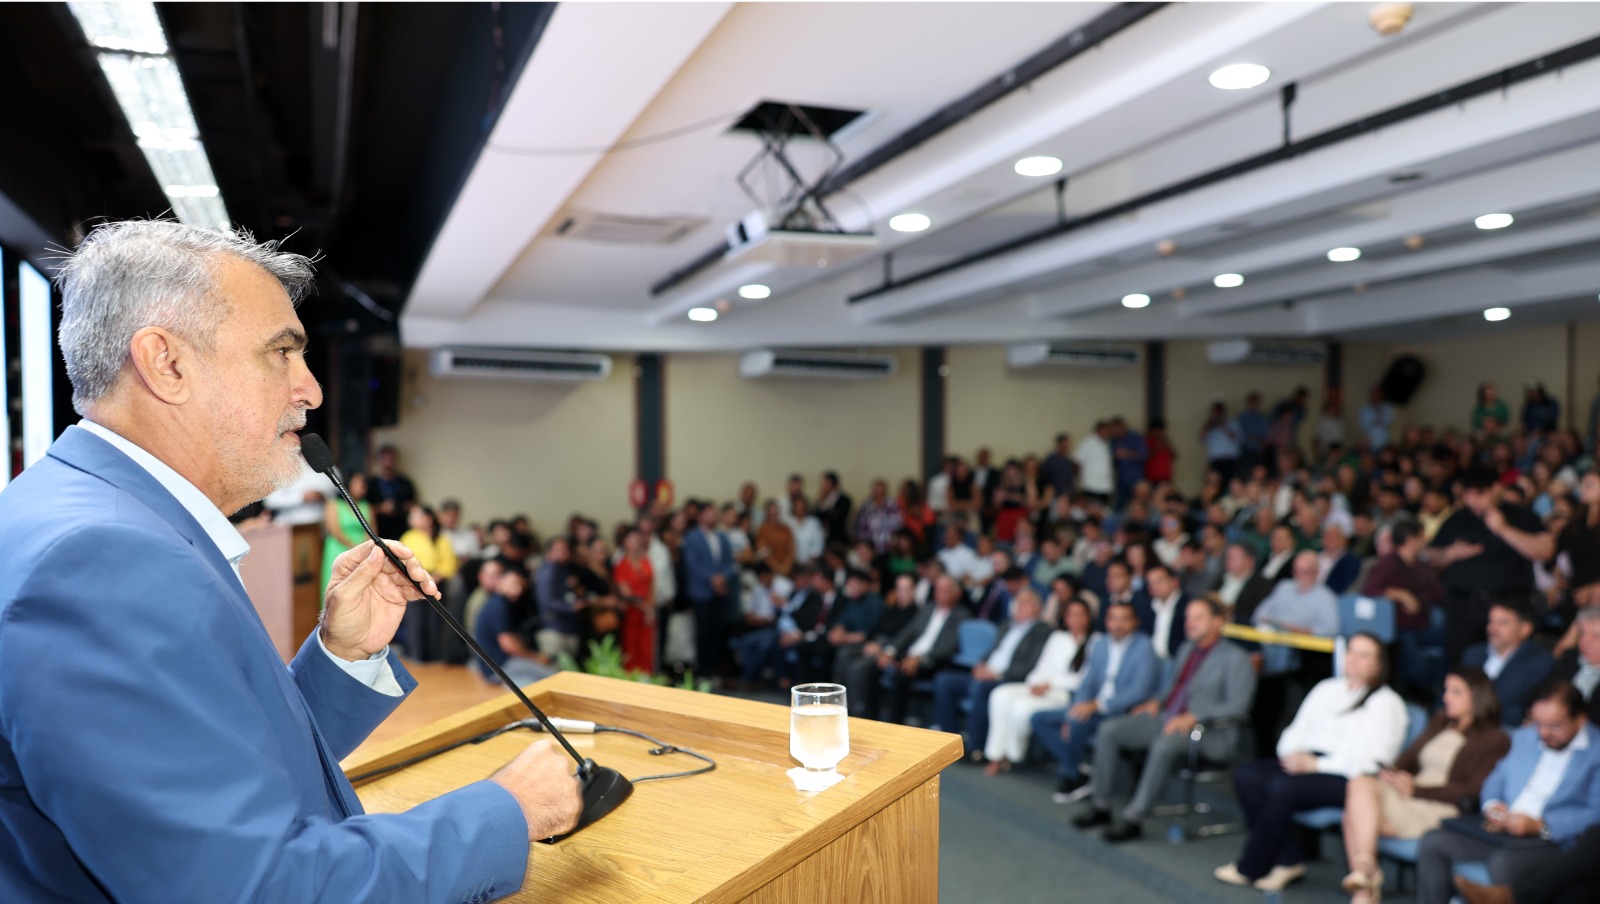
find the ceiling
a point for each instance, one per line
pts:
(624, 110)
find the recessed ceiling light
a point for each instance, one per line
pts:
(1038, 166)
(1136, 300)
(1239, 75)
(1344, 255)
(1496, 314)
(1494, 221)
(754, 292)
(910, 222)
(702, 315)
(1228, 281)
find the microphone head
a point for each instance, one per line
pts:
(316, 453)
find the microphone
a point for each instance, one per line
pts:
(604, 789)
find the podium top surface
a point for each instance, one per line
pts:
(719, 836)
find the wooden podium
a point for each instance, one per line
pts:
(739, 833)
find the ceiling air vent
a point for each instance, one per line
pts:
(618, 229)
(516, 364)
(765, 363)
(1047, 354)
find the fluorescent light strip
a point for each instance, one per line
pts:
(144, 79)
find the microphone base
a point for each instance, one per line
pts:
(604, 790)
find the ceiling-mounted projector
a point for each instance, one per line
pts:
(751, 239)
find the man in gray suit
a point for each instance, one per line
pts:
(1213, 679)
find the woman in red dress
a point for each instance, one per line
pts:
(635, 584)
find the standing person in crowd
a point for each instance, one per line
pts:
(1347, 727)
(1511, 658)
(1222, 438)
(634, 577)
(1376, 419)
(1096, 475)
(1489, 405)
(917, 519)
(880, 517)
(1016, 651)
(1129, 451)
(775, 543)
(1212, 679)
(938, 496)
(393, 492)
(1253, 429)
(1159, 461)
(558, 607)
(713, 575)
(342, 530)
(1540, 412)
(1122, 672)
(1547, 788)
(1060, 469)
(809, 535)
(422, 630)
(1426, 785)
(1487, 550)
(833, 509)
(662, 569)
(1049, 685)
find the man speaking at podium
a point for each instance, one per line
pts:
(153, 747)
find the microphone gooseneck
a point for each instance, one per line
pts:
(604, 788)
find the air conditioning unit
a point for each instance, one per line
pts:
(1246, 351)
(1083, 354)
(765, 363)
(517, 364)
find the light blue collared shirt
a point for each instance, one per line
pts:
(374, 672)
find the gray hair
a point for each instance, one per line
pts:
(1589, 615)
(129, 275)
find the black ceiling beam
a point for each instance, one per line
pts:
(1465, 91)
(1098, 30)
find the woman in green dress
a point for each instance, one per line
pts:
(341, 529)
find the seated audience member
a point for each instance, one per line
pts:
(960, 561)
(1170, 540)
(1050, 564)
(764, 597)
(849, 619)
(1303, 605)
(1122, 673)
(1086, 546)
(1016, 651)
(463, 537)
(991, 600)
(775, 543)
(1581, 664)
(1280, 553)
(922, 649)
(1570, 878)
(1241, 589)
(1194, 572)
(505, 626)
(1336, 565)
(634, 578)
(1162, 616)
(1049, 685)
(1401, 576)
(488, 580)
(1512, 659)
(1547, 788)
(1213, 680)
(1446, 765)
(1346, 727)
(1119, 589)
(853, 666)
(801, 620)
(558, 613)
(809, 535)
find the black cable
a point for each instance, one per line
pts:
(662, 748)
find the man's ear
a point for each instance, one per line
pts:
(163, 364)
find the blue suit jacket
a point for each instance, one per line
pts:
(1137, 678)
(1344, 573)
(700, 565)
(1527, 668)
(153, 747)
(1573, 807)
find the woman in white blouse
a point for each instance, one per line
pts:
(1347, 727)
(1058, 673)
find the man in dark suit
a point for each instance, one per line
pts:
(833, 509)
(1162, 615)
(920, 650)
(1015, 652)
(1241, 587)
(1119, 589)
(1213, 680)
(711, 573)
(1581, 664)
(850, 618)
(1511, 659)
(1336, 563)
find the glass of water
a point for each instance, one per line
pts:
(819, 727)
